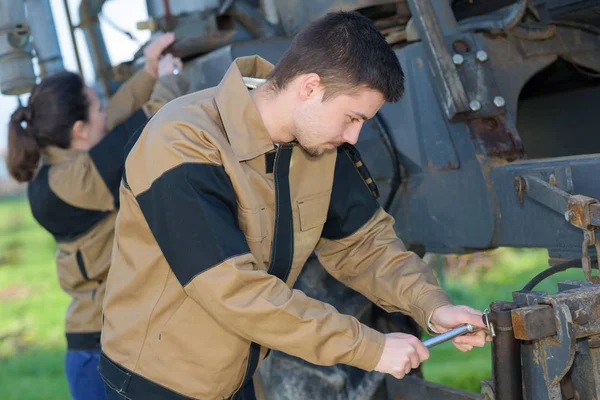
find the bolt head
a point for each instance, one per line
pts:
(481, 56)
(581, 317)
(568, 215)
(458, 59)
(475, 105)
(499, 101)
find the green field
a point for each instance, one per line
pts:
(32, 309)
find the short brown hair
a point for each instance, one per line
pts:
(347, 51)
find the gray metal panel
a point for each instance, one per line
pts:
(438, 205)
(295, 14)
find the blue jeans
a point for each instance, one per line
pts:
(82, 375)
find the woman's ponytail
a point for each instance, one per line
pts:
(23, 148)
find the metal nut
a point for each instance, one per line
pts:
(499, 101)
(475, 105)
(482, 56)
(458, 59)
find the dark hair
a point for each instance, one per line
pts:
(54, 106)
(347, 51)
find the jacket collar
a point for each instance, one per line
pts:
(242, 122)
(54, 155)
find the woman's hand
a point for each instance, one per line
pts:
(153, 51)
(169, 65)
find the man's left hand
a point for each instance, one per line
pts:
(448, 317)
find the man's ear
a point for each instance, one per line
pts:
(80, 131)
(310, 85)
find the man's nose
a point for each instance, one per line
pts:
(351, 134)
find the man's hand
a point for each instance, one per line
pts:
(401, 353)
(448, 317)
(153, 51)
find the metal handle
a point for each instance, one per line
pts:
(451, 334)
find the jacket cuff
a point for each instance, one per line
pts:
(369, 350)
(426, 305)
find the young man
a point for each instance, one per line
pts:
(225, 195)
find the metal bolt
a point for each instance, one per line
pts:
(475, 105)
(499, 101)
(458, 59)
(569, 215)
(482, 56)
(581, 317)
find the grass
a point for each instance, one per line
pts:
(32, 308)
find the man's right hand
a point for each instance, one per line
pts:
(401, 353)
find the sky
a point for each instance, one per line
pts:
(123, 13)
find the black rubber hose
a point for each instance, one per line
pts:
(575, 263)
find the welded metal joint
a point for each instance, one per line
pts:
(579, 211)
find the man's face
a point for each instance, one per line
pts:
(320, 126)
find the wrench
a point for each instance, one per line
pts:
(451, 334)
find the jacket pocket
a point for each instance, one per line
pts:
(312, 210)
(252, 223)
(95, 251)
(69, 271)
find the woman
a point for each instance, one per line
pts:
(71, 153)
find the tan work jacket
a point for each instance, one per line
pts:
(211, 236)
(74, 196)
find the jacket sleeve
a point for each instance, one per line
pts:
(167, 88)
(191, 209)
(360, 248)
(130, 97)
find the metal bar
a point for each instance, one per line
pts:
(547, 194)
(506, 353)
(89, 23)
(533, 322)
(451, 334)
(413, 388)
(453, 95)
(72, 31)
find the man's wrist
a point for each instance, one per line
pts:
(430, 325)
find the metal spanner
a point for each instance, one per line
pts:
(451, 334)
(461, 330)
